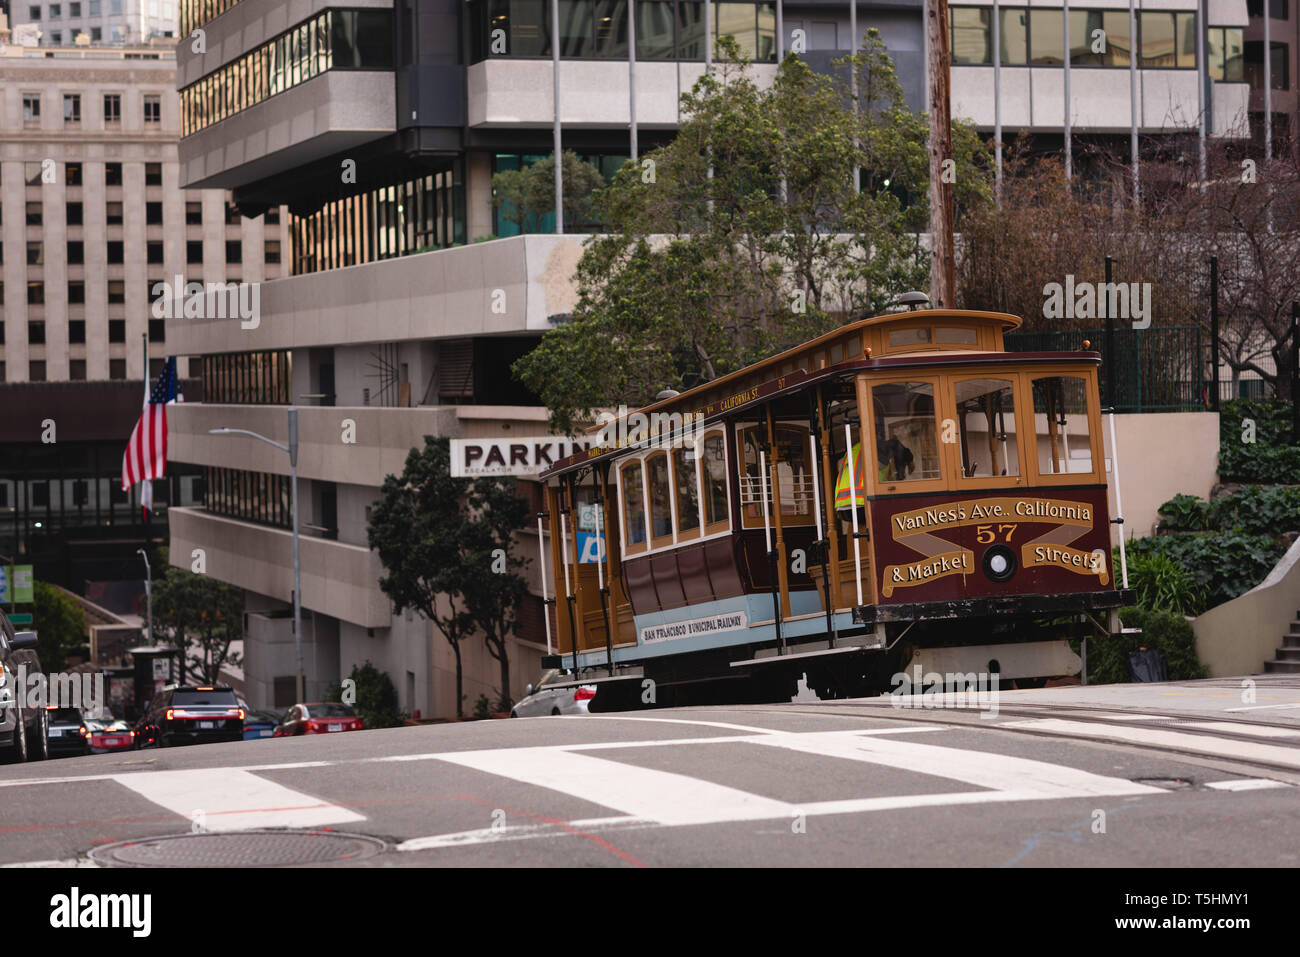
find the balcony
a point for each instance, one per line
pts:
(338, 580)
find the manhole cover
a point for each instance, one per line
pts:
(1169, 784)
(239, 849)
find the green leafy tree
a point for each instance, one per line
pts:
(201, 617)
(446, 546)
(60, 625)
(525, 196)
(376, 698)
(744, 234)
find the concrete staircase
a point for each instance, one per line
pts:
(1288, 656)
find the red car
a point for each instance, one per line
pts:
(104, 736)
(324, 717)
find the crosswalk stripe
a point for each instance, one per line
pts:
(1200, 743)
(1257, 730)
(1247, 784)
(231, 799)
(986, 769)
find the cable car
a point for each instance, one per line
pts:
(899, 494)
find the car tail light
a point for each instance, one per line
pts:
(236, 713)
(361, 725)
(83, 731)
(170, 714)
(584, 694)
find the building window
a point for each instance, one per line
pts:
(71, 108)
(193, 214)
(1277, 9)
(77, 296)
(56, 37)
(113, 213)
(1168, 40)
(36, 373)
(74, 10)
(273, 215)
(73, 213)
(76, 252)
(115, 252)
(77, 330)
(77, 373)
(36, 333)
(31, 109)
(33, 13)
(157, 330)
(56, 11)
(194, 253)
(96, 34)
(1113, 25)
(233, 217)
(1254, 65)
(154, 253)
(116, 297)
(152, 108)
(249, 378)
(34, 216)
(271, 255)
(32, 173)
(115, 8)
(1046, 38)
(117, 330)
(1226, 50)
(94, 8)
(112, 107)
(36, 294)
(72, 172)
(971, 37)
(112, 174)
(35, 254)
(116, 370)
(153, 174)
(234, 251)
(153, 214)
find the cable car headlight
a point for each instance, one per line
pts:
(999, 563)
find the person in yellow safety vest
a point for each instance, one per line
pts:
(844, 494)
(896, 461)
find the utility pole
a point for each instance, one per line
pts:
(943, 264)
(148, 597)
(555, 131)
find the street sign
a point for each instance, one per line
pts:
(16, 584)
(20, 619)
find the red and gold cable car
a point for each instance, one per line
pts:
(901, 492)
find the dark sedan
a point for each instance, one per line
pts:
(325, 717)
(190, 714)
(68, 731)
(23, 721)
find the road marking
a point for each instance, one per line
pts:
(1258, 730)
(1246, 784)
(1129, 717)
(67, 862)
(1263, 707)
(708, 724)
(517, 832)
(1203, 744)
(232, 799)
(663, 797)
(1000, 772)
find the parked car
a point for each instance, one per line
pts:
(68, 731)
(260, 724)
(190, 714)
(545, 699)
(24, 723)
(111, 735)
(321, 717)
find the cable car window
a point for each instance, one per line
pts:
(907, 448)
(793, 475)
(661, 514)
(956, 335)
(909, 337)
(1061, 425)
(634, 528)
(687, 486)
(714, 467)
(986, 423)
(752, 483)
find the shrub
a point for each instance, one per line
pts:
(1271, 459)
(1183, 513)
(1226, 564)
(376, 702)
(1171, 634)
(1257, 511)
(1164, 585)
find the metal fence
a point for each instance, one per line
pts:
(1156, 370)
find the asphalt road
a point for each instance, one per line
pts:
(1191, 774)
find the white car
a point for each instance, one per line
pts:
(543, 700)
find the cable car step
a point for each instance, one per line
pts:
(796, 656)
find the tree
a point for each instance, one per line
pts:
(497, 513)
(199, 616)
(60, 625)
(525, 196)
(376, 698)
(744, 234)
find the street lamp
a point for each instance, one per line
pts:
(292, 449)
(148, 593)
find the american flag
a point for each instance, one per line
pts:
(145, 458)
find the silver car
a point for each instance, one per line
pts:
(545, 699)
